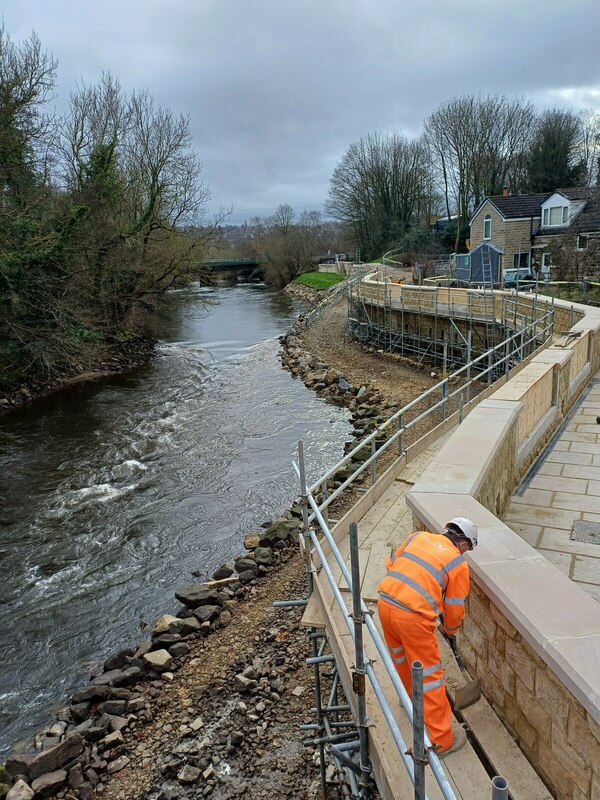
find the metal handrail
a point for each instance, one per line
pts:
(380, 645)
(441, 386)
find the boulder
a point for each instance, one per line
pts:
(264, 556)
(159, 660)
(199, 595)
(49, 783)
(186, 626)
(224, 619)
(244, 564)
(20, 791)
(279, 531)
(117, 765)
(252, 540)
(75, 779)
(224, 571)
(119, 677)
(207, 613)
(119, 660)
(165, 640)
(80, 711)
(344, 386)
(244, 684)
(247, 575)
(113, 739)
(180, 649)
(18, 764)
(188, 774)
(114, 707)
(93, 692)
(164, 624)
(48, 760)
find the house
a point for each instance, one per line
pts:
(527, 229)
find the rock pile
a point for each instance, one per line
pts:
(367, 407)
(75, 757)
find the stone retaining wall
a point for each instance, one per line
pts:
(531, 634)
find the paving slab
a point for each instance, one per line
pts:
(565, 488)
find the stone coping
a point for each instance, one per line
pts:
(559, 620)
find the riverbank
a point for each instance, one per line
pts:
(210, 704)
(102, 360)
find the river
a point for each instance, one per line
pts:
(114, 492)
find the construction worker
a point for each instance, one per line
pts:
(427, 581)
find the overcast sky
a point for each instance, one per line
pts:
(278, 89)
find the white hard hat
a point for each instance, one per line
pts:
(466, 527)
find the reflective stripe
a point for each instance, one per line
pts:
(428, 687)
(455, 601)
(387, 598)
(454, 563)
(435, 573)
(399, 660)
(417, 587)
(396, 649)
(430, 670)
(450, 628)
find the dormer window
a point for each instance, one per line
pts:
(555, 216)
(487, 227)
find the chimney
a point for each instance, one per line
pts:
(505, 191)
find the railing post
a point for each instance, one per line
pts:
(489, 359)
(469, 357)
(499, 788)
(374, 462)
(399, 425)
(461, 407)
(304, 505)
(324, 496)
(419, 755)
(359, 674)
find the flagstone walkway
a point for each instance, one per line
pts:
(563, 488)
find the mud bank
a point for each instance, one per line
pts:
(105, 360)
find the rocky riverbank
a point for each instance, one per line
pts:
(103, 360)
(208, 705)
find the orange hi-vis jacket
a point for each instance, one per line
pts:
(428, 576)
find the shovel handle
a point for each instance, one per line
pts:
(452, 642)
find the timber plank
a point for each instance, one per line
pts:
(508, 760)
(375, 571)
(313, 616)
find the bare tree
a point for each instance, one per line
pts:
(377, 189)
(476, 144)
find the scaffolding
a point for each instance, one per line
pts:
(448, 328)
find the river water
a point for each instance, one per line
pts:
(113, 492)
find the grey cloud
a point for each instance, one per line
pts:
(277, 90)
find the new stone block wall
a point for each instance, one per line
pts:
(557, 734)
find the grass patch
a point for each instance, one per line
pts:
(319, 280)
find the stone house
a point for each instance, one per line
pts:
(538, 231)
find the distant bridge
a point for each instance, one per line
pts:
(236, 265)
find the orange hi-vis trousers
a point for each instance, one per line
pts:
(411, 637)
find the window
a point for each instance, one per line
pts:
(582, 241)
(487, 227)
(556, 215)
(521, 260)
